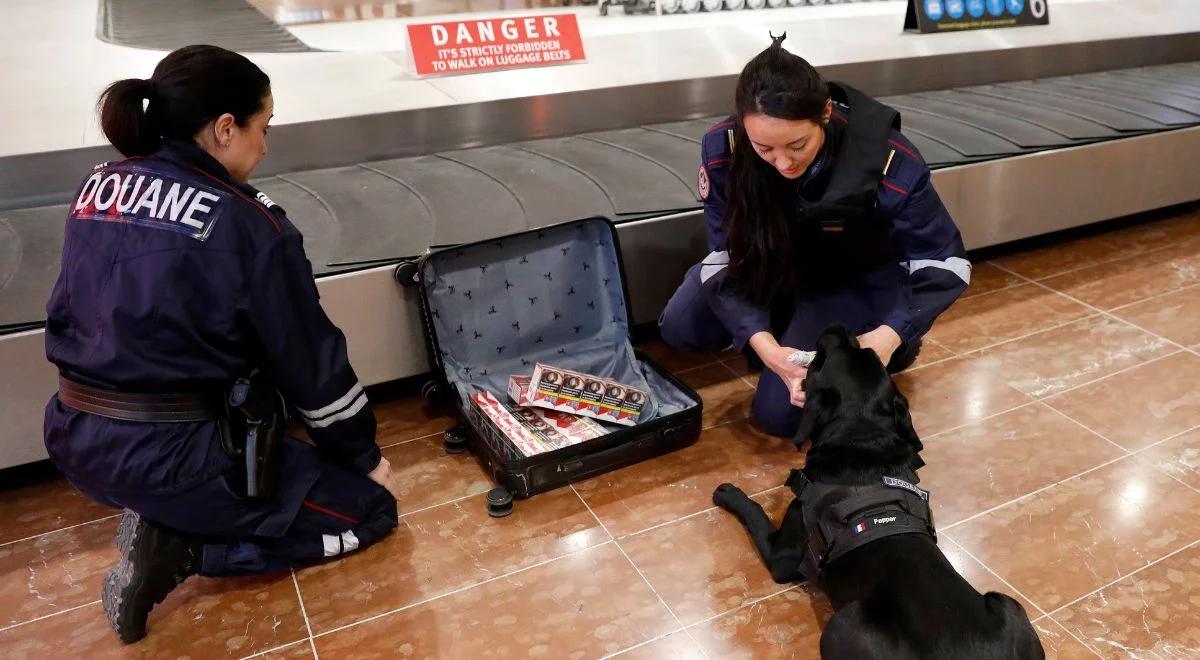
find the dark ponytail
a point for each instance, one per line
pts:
(758, 217)
(189, 88)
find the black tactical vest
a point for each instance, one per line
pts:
(839, 518)
(840, 235)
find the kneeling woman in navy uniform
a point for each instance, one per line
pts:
(185, 316)
(819, 211)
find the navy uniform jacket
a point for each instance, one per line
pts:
(175, 277)
(925, 241)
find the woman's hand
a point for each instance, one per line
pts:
(383, 475)
(775, 357)
(883, 340)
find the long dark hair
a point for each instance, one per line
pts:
(758, 225)
(189, 88)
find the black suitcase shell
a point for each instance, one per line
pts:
(473, 299)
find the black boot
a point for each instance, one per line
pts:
(154, 560)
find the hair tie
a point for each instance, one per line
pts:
(777, 42)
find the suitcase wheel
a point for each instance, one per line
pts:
(431, 391)
(406, 273)
(455, 441)
(499, 502)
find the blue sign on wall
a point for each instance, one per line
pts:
(957, 15)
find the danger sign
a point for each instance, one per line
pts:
(495, 43)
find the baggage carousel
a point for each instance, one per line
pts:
(1028, 131)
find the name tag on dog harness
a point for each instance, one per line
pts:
(893, 482)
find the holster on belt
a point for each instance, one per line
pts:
(253, 431)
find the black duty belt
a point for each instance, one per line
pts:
(131, 407)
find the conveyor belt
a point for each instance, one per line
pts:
(381, 211)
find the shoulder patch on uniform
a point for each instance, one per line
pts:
(140, 196)
(266, 201)
(702, 183)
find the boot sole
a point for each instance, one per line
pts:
(117, 580)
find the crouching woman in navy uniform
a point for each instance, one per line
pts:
(819, 211)
(183, 319)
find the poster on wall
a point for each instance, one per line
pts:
(472, 46)
(956, 15)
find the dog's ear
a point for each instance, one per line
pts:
(903, 424)
(818, 410)
(834, 337)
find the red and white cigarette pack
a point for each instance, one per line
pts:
(578, 394)
(534, 430)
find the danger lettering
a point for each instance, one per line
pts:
(483, 32)
(149, 199)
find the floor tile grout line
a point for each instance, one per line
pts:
(1032, 493)
(447, 502)
(303, 611)
(60, 529)
(1058, 326)
(637, 569)
(997, 575)
(1058, 483)
(641, 644)
(738, 376)
(49, 616)
(749, 603)
(1114, 374)
(411, 440)
(698, 367)
(1108, 314)
(743, 606)
(1047, 397)
(1073, 635)
(1155, 297)
(1128, 575)
(1087, 428)
(688, 516)
(273, 649)
(967, 295)
(1089, 264)
(431, 599)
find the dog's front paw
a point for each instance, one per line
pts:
(725, 494)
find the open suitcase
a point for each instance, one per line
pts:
(556, 295)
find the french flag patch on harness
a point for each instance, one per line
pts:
(861, 527)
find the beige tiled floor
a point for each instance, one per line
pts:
(1058, 405)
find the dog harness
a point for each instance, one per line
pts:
(840, 518)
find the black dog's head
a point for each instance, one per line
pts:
(853, 413)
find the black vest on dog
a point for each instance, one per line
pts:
(839, 234)
(840, 518)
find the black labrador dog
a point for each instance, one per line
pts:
(861, 528)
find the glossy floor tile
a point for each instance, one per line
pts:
(1069, 540)
(1072, 355)
(679, 484)
(1115, 283)
(1149, 614)
(1063, 454)
(949, 394)
(585, 605)
(1167, 402)
(1175, 316)
(439, 550)
(706, 564)
(987, 277)
(990, 463)
(725, 394)
(1001, 316)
